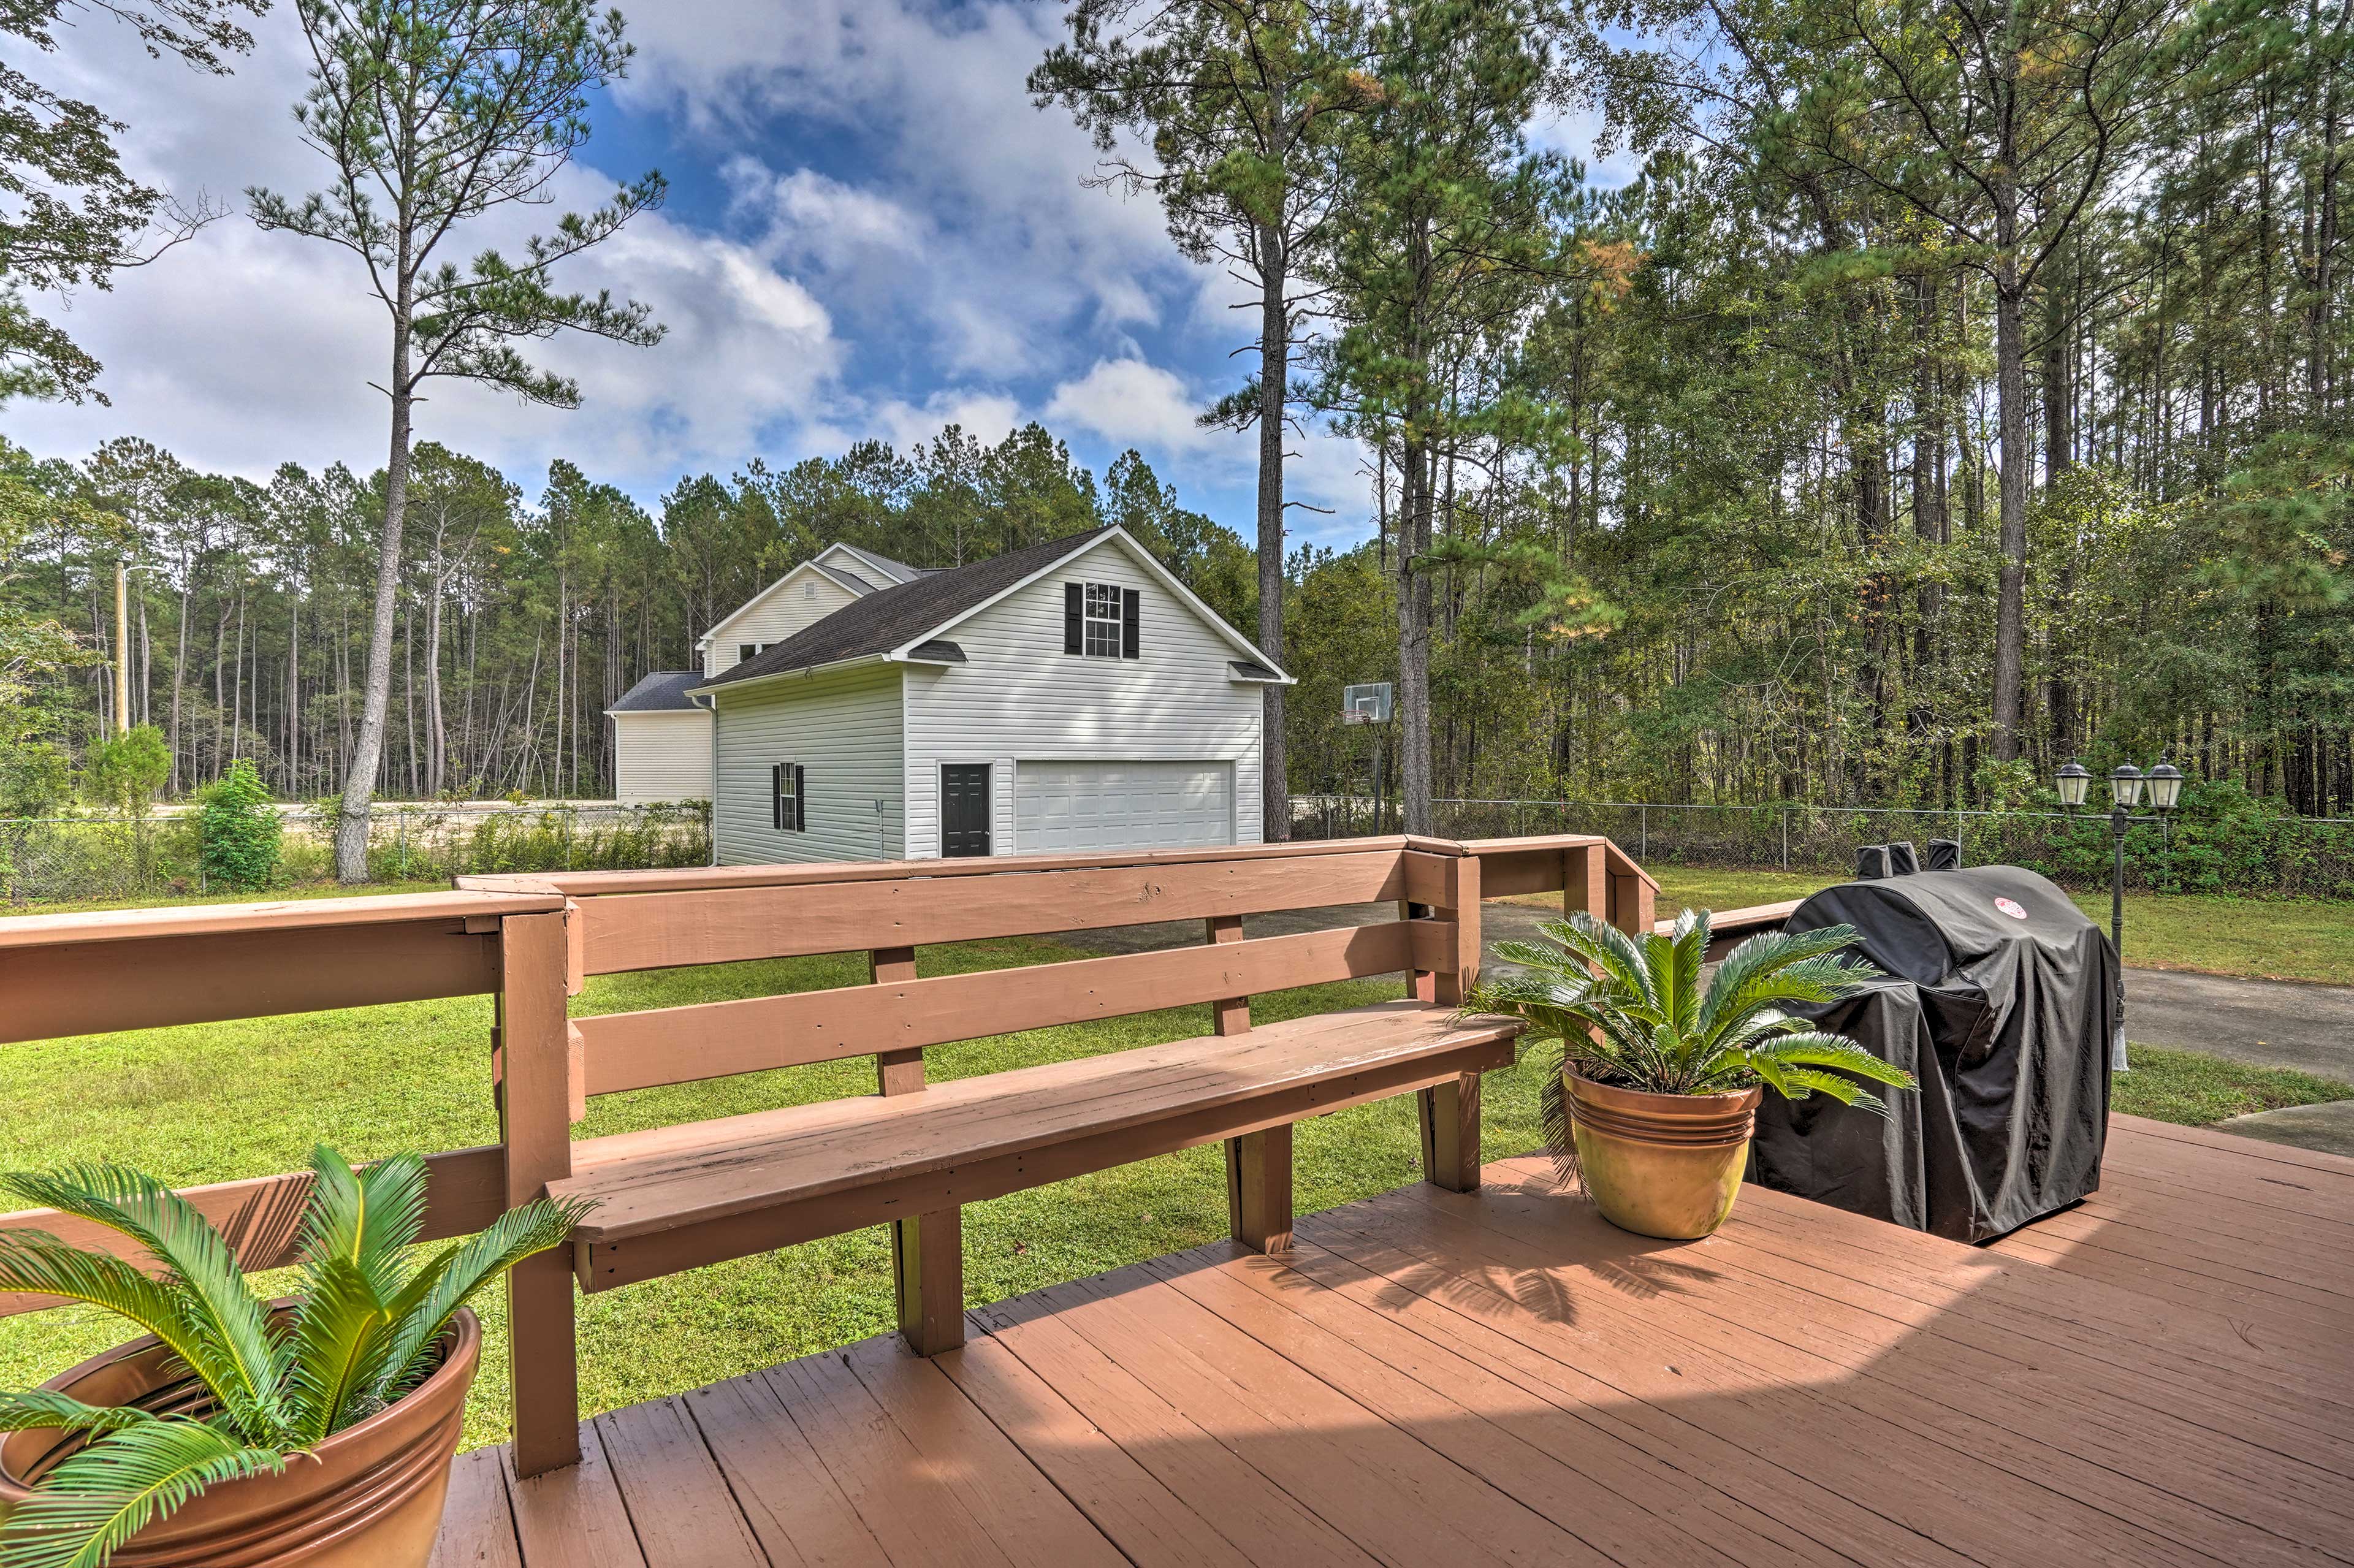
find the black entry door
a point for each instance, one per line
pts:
(964, 809)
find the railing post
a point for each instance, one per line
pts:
(926, 1250)
(1449, 1112)
(534, 1113)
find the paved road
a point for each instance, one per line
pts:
(2272, 1023)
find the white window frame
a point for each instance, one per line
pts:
(1101, 616)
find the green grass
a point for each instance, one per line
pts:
(267, 896)
(2301, 939)
(2198, 1091)
(221, 1101)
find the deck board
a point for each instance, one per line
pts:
(2162, 1375)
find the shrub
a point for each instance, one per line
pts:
(238, 829)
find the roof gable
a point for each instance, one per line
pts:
(854, 581)
(892, 623)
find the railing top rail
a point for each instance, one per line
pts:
(1537, 843)
(304, 914)
(824, 873)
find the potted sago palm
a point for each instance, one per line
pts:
(1652, 1079)
(242, 1432)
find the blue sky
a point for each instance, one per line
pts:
(871, 232)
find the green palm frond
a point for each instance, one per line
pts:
(1774, 967)
(364, 1218)
(1796, 1083)
(451, 1280)
(220, 1309)
(46, 1409)
(101, 1497)
(1816, 1049)
(336, 1349)
(38, 1263)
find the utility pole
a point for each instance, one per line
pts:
(121, 646)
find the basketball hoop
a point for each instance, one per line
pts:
(1365, 705)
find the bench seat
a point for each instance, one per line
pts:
(678, 1197)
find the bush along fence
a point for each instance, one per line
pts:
(2222, 839)
(233, 842)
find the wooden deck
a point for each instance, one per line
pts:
(2164, 1374)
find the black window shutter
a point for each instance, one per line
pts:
(777, 795)
(801, 798)
(1075, 611)
(1131, 606)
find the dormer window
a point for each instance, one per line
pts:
(1100, 620)
(747, 651)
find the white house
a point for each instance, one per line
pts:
(1072, 695)
(662, 736)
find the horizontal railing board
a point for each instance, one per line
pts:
(625, 1051)
(665, 930)
(261, 1216)
(305, 915)
(580, 884)
(206, 977)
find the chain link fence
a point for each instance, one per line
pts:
(2261, 856)
(49, 860)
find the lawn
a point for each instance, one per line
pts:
(2267, 939)
(373, 1081)
(2198, 1091)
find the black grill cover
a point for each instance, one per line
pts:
(2001, 999)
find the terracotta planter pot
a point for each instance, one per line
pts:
(1660, 1165)
(370, 1497)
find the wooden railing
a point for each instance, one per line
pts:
(529, 943)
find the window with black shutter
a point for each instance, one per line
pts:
(1099, 619)
(787, 797)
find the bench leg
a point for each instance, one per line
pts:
(543, 1363)
(1450, 1134)
(1258, 1188)
(927, 1262)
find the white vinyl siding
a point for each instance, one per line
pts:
(844, 731)
(661, 757)
(804, 595)
(1021, 700)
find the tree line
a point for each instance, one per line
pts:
(1955, 386)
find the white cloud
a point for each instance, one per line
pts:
(1131, 403)
(988, 417)
(241, 350)
(1019, 268)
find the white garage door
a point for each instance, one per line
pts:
(1060, 806)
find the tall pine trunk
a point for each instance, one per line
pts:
(1273, 379)
(367, 749)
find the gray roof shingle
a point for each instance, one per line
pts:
(665, 691)
(903, 612)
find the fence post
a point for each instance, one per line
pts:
(1643, 832)
(1785, 838)
(401, 839)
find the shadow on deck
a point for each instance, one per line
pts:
(2160, 1375)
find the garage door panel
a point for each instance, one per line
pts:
(1080, 806)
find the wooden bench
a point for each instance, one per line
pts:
(912, 1155)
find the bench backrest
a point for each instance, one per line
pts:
(649, 920)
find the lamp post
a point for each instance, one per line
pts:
(2128, 788)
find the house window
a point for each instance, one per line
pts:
(747, 651)
(787, 797)
(1099, 621)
